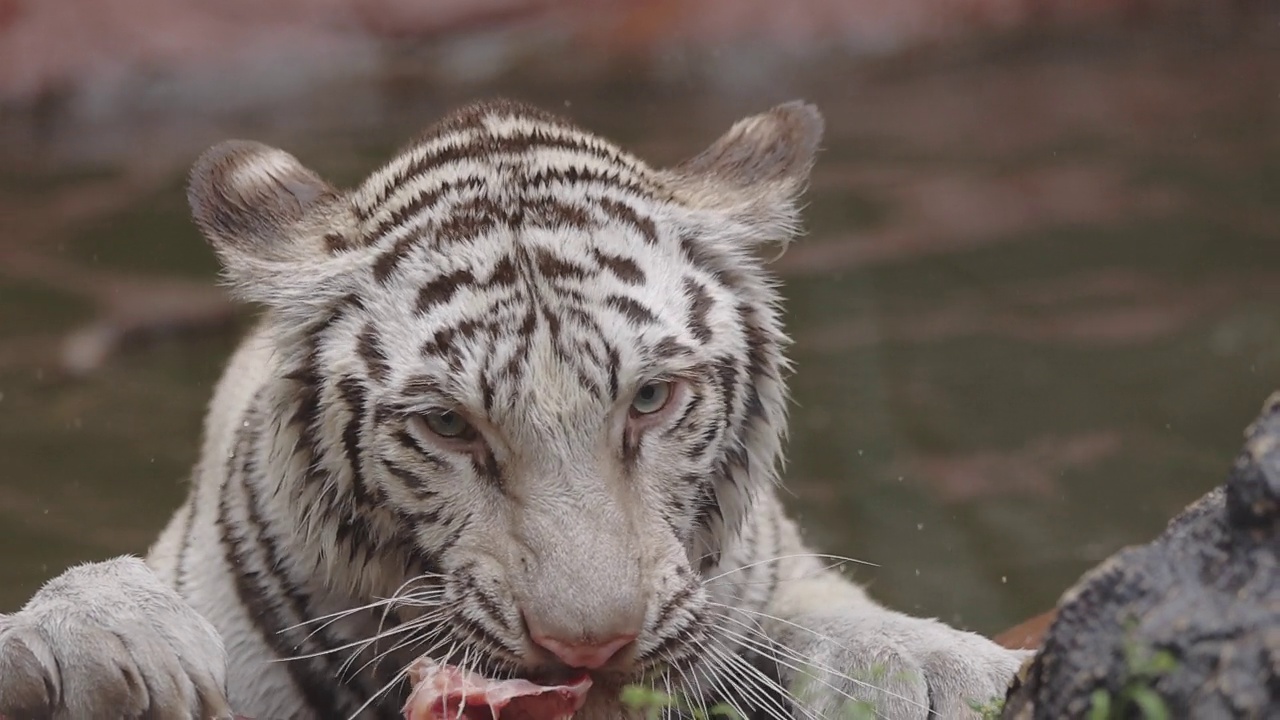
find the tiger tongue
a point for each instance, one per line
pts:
(447, 692)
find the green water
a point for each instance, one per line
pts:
(1035, 308)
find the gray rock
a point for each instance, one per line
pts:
(1190, 622)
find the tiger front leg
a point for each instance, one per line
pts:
(843, 657)
(110, 640)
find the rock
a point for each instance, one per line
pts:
(1190, 622)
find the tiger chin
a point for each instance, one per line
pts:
(516, 402)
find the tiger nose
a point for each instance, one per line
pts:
(581, 653)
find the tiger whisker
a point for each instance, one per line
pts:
(330, 617)
(397, 679)
(436, 635)
(756, 681)
(821, 556)
(776, 652)
(749, 686)
(340, 616)
(380, 602)
(428, 592)
(717, 683)
(364, 642)
(409, 642)
(666, 685)
(411, 629)
(776, 581)
(684, 681)
(466, 673)
(701, 693)
(803, 662)
(761, 614)
(747, 683)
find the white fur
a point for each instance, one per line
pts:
(573, 536)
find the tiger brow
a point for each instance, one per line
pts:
(690, 367)
(421, 390)
(669, 351)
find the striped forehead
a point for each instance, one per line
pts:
(503, 153)
(494, 175)
(508, 243)
(513, 303)
(503, 321)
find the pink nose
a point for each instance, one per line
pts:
(581, 654)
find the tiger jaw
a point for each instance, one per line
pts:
(608, 682)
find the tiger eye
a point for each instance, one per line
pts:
(447, 424)
(652, 397)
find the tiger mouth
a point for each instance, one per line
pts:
(543, 675)
(448, 692)
(502, 666)
(554, 676)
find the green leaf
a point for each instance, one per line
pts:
(1100, 705)
(1151, 704)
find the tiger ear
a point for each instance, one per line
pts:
(756, 171)
(274, 224)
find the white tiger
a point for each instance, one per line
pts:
(531, 390)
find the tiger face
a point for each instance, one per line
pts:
(547, 375)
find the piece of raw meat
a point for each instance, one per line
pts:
(447, 692)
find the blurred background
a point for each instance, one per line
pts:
(1036, 305)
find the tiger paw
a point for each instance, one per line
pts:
(889, 665)
(109, 640)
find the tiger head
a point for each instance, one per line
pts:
(523, 363)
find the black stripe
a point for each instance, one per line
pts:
(673, 603)
(700, 304)
(180, 563)
(399, 217)
(709, 436)
(689, 409)
(320, 674)
(579, 176)
(638, 314)
(476, 629)
(351, 528)
(353, 393)
(469, 220)
(263, 607)
(615, 362)
(454, 535)
(442, 288)
(485, 466)
(486, 147)
(628, 216)
(470, 589)
(705, 260)
(407, 440)
(411, 481)
(369, 346)
(676, 638)
(486, 387)
(554, 267)
(620, 266)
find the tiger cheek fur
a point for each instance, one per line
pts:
(517, 395)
